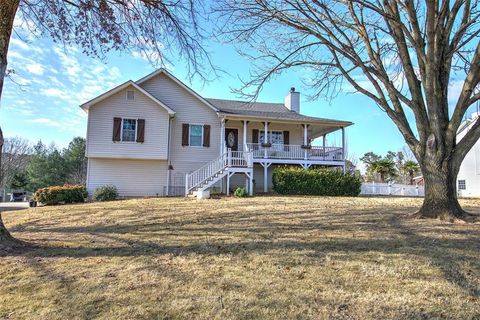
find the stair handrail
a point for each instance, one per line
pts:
(202, 174)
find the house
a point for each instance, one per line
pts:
(468, 179)
(156, 136)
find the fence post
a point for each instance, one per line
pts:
(389, 188)
(416, 190)
(373, 187)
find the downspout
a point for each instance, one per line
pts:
(168, 154)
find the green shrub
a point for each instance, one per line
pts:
(61, 194)
(105, 193)
(319, 182)
(240, 192)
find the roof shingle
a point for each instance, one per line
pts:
(265, 110)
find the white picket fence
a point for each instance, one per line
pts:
(392, 189)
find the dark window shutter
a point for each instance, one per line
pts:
(286, 140)
(141, 130)
(255, 136)
(206, 135)
(117, 128)
(185, 134)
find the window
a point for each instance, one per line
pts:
(274, 137)
(462, 185)
(130, 95)
(196, 135)
(129, 130)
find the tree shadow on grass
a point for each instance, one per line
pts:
(446, 246)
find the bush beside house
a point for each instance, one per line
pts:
(61, 194)
(319, 182)
(240, 192)
(105, 193)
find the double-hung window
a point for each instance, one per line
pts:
(196, 135)
(274, 137)
(462, 185)
(129, 130)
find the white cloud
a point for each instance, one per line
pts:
(35, 68)
(54, 92)
(19, 43)
(47, 122)
(70, 63)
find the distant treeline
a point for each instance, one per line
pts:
(27, 167)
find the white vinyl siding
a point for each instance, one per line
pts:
(189, 109)
(133, 178)
(100, 127)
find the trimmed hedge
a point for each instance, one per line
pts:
(319, 182)
(105, 193)
(61, 194)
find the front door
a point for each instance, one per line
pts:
(231, 139)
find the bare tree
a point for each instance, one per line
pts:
(15, 153)
(402, 54)
(158, 28)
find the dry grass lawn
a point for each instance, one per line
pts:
(258, 258)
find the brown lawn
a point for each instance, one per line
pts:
(258, 258)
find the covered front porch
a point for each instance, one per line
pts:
(274, 141)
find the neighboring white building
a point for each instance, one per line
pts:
(157, 136)
(468, 180)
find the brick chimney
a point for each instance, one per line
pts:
(292, 100)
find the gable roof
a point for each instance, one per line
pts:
(180, 83)
(119, 88)
(268, 110)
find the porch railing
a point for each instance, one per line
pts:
(295, 152)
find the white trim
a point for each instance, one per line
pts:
(87, 105)
(177, 81)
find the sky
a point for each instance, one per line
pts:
(41, 99)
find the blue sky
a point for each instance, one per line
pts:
(51, 81)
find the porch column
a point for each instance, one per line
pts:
(324, 143)
(245, 123)
(222, 136)
(265, 139)
(305, 140)
(343, 148)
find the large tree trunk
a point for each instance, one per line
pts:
(441, 201)
(8, 9)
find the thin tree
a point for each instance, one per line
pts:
(401, 54)
(157, 28)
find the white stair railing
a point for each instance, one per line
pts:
(202, 174)
(227, 159)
